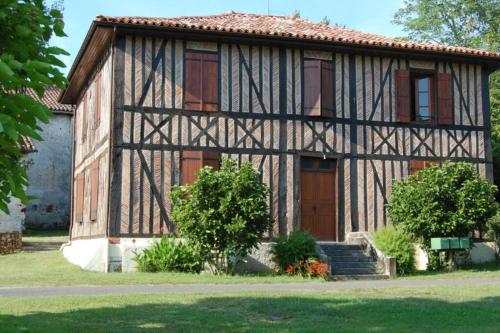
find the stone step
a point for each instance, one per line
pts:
(41, 246)
(354, 271)
(360, 277)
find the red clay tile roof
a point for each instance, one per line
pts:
(287, 27)
(27, 146)
(50, 98)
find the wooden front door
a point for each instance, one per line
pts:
(317, 180)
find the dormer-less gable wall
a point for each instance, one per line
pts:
(260, 118)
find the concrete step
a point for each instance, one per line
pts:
(350, 264)
(341, 246)
(342, 253)
(360, 277)
(351, 258)
(41, 246)
(354, 271)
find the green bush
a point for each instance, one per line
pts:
(169, 255)
(493, 231)
(451, 200)
(223, 213)
(397, 244)
(298, 246)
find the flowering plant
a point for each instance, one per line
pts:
(310, 268)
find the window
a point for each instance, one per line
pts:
(417, 165)
(79, 196)
(94, 190)
(416, 98)
(201, 81)
(192, 161)
(318, 88)
(422, 97)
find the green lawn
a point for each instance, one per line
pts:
(49, 268)
(474, 309)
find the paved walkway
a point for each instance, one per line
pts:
(221, 288)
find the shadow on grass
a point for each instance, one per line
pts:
(322, 313)
(485, 267)
(46, 233)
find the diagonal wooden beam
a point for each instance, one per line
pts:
(384, 140)
(252, 82)
(204, 130)
(459, 143)
(247, 133)
(154, 189)
(149, 80)
(461, 95)
(381, 91)
(157, 128)
(422, 142)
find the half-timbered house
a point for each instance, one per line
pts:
(330, 116)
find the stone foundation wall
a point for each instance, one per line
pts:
(10, 242)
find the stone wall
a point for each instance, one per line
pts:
(50, 175)
(10, 242)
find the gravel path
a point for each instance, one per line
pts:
(222, 288)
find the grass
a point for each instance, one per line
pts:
(451, 309)
(49, 268)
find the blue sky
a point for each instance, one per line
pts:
(367, 15)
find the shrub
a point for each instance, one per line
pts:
(294, 249)
(223, 213)
(169, 255)
(397, 244)
(442, 201)
(494, 231)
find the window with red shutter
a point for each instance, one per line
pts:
(445, 115)
(79, 197)
(94, 190)
(192, 161)
(318, 88)
(422, 86)
(201, 81)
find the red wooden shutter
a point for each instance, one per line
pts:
(94, 189)
(403, 100)
(192, 161)
(79, 197)
(445, 115)
(210, 82)
(97, 115)
(193, 73)
(312, 87)
(211, 159)
(416, 165)
(326, 89)
(202, 81)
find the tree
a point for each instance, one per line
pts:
(26, 61)
(470, 23)
(450, 200)
(223, 213)
(296, 13)
(325, 20)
